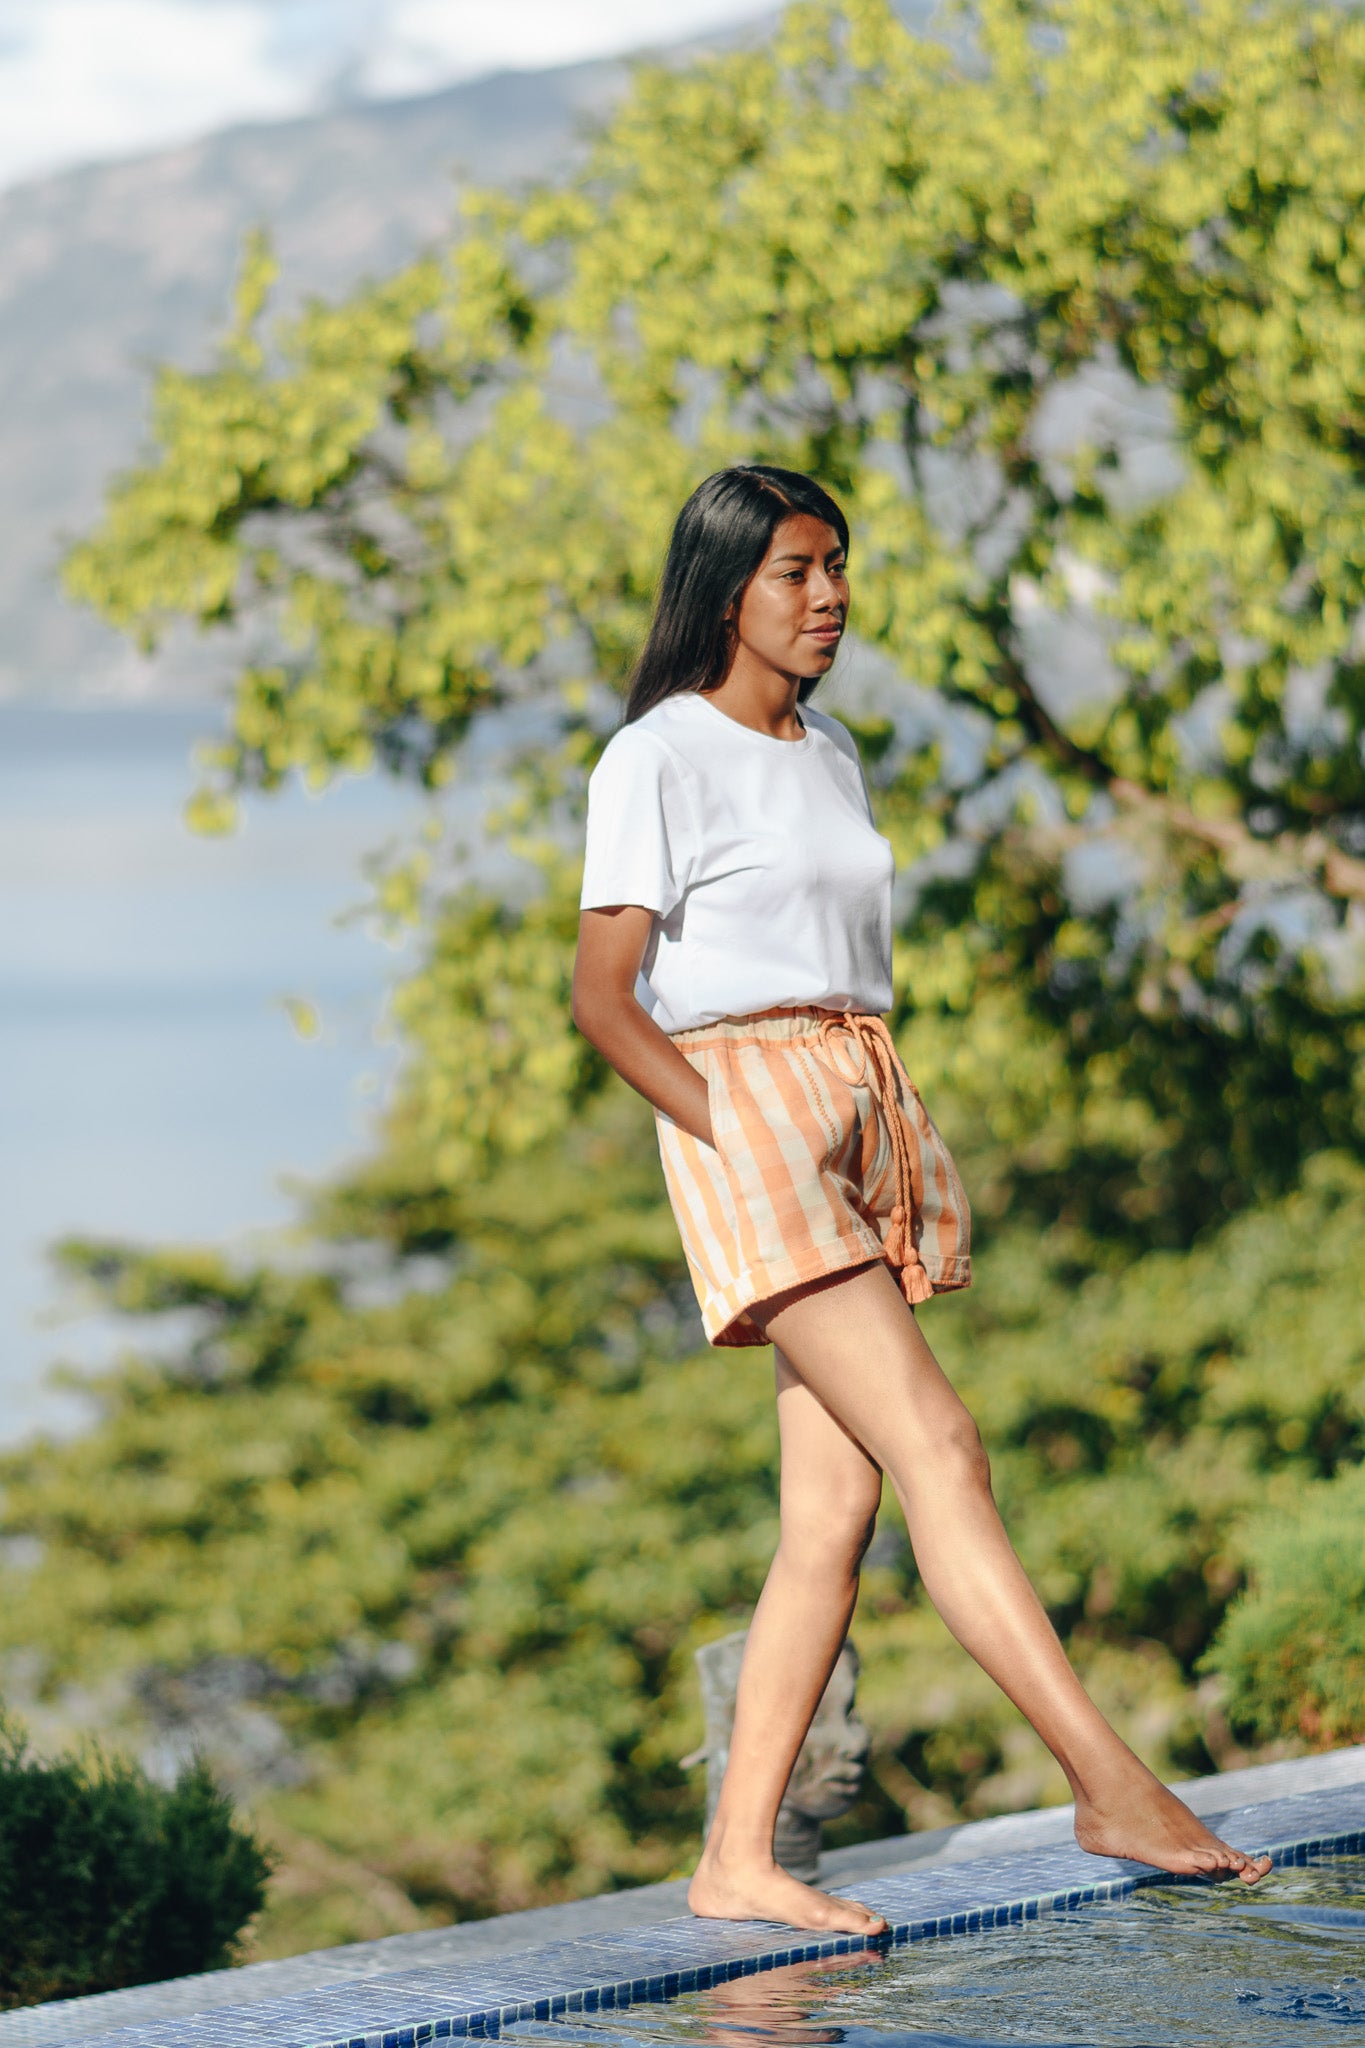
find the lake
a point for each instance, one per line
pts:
(152, 1085)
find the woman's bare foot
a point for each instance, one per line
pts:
(1144, 1822)
(720, 1891)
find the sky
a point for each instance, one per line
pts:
(82, 80)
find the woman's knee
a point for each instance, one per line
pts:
(960, 1456)
(833, 1530)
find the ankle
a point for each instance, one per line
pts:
(1115, 1776)
(1093, 1756)
(727, 1851)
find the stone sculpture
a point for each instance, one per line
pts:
(828, 1774)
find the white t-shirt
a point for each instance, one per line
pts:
(769, 883)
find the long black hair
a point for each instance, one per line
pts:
(721, 535)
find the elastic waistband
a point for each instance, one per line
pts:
(764, 1027)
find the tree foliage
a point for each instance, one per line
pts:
(941, 284)
(108, 1880)
(1292, 1652)
(1069, 312)
(459, 1542)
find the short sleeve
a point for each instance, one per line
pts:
(848, 747)
(639, 846)
(862, 784)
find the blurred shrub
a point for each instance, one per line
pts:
(1292, 1649)
(107, 1879)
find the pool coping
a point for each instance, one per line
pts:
(609, 1970)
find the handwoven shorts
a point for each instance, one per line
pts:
(825, 1159)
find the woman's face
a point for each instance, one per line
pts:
(793, 612)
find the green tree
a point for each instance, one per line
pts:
(459, 1539)
(912, 274)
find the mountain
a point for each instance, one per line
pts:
(105, 271)
(109, 270)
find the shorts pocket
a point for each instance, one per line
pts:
(834, 1110)
(717, 1098)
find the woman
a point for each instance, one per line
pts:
(734, 959)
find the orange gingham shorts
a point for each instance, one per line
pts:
(825, 1159)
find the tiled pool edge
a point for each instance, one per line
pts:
(958, 1921)
(410, 2008)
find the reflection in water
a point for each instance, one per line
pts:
(1186, 1966)
(777, 2005)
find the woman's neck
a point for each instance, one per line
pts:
(761, 698)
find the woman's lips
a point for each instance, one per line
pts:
(825, 632)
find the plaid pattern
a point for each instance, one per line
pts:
(825, 1159)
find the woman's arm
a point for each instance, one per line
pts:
(611, 945)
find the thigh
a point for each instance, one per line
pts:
(827, 1476)
(854, 1344)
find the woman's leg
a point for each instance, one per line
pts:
(829, 1495)
(860, 1352)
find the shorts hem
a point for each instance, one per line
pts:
(726, 1317)
(946, 1275)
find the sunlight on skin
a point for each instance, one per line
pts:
(860, 1392)
(791, 619)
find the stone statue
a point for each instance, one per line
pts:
(829, 1771)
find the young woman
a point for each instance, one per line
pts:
(734, 960)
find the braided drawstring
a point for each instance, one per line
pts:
(861, 1049)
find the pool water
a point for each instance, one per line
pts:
(1172, 1966)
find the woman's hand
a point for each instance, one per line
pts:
(611, 946)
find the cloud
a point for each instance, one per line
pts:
(81, 79)
(427, 39)
(88, 79)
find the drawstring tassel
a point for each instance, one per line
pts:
(876, 1067)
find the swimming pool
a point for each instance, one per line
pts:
(1004, 1933)
(1168, 1967)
